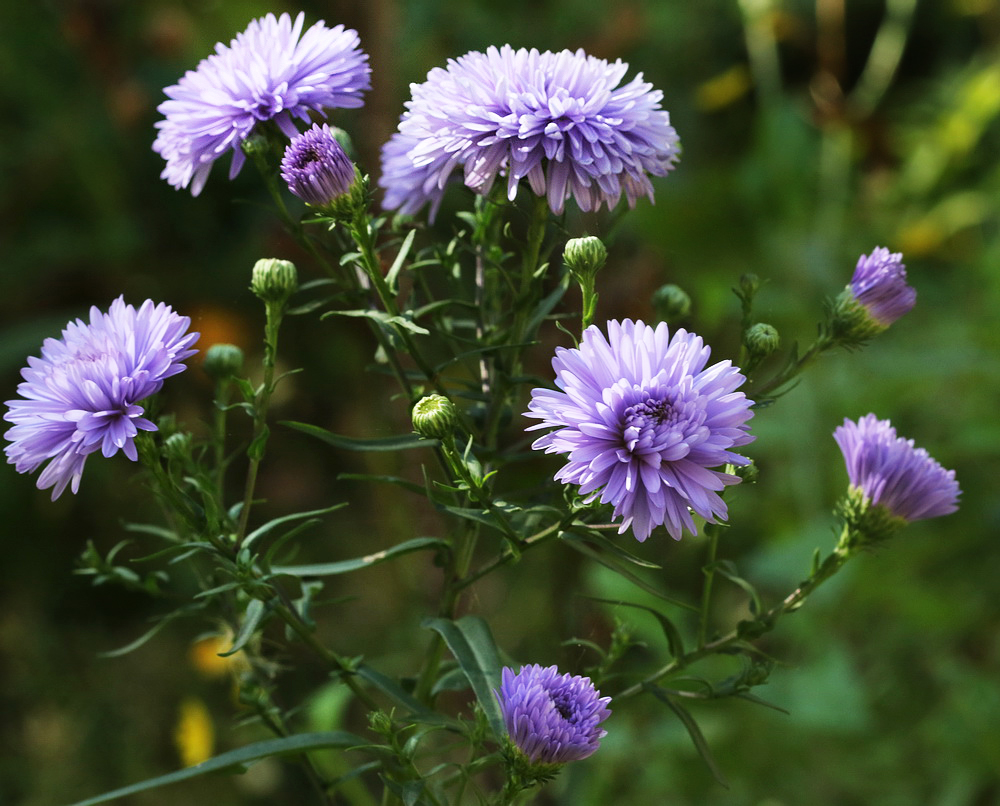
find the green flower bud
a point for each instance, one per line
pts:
(256, 145)
(584, 256)
(670, 303)
(434, 417)
(223, 361)
(274, 280)
(760, 340)
(747, 473)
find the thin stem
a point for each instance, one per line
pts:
(275, 312)
(823, 343)
(793, 601)
(712, 531)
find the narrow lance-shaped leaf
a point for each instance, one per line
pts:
(345, 566)
(261, 531)
(471, 642)
(397, 442)
(235, 760)
(693, 731)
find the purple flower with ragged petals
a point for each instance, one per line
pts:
(82, 395)
(316, 168)
(892, 473)
(879, 284)
(560, 121)
(642, 421)
(271, 71)
(552, 718)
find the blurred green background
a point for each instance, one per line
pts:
(812, 132)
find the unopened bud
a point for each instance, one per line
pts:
(223, 361)
(749, 285)
(584, 256)
(761, 340)
(434, 417)
(670, 303)
(274, 280)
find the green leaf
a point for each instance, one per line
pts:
(346, 566)
(397, 264)
(728, 570)
(142, 639)
(255, 613)
(260, 531)
(673, 635)
(693, 731)
(406, 485)
(399, 320)
(234, 760)
(395, 692)
(471, 642)
(398, 442)
(582, 545)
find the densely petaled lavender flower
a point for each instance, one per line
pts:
(642, 421)
(316, 168)
(559, 120)
(879, 284)
(891, 472)
(268, 72)
(552, 718)
(81, 396)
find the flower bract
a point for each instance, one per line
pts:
(82, 395)
(892, 473)
(270, 72)
(552, 718)
(642, 420)
(562, 121)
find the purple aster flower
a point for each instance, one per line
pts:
(559, 120)
(890, 472)
(879, 284)
(81, 396)
(316, 168)
(552, 718)
(271, 71)
(642, 421)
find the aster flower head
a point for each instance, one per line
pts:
(889, 472)
(316, 168)
(552, 718)
(271, 71)
(642, 420)
(562, 121)
(82, 395)
(877, 296)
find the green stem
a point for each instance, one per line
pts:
(712, 531)
(275, 312)
(793, 601)
(823, 343)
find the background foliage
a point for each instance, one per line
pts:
(801, 150)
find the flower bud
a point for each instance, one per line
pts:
(584, 256)
(317, 169)
(749, 285)
(760, 340)
(434, 417)
(177, 446)
(877, 296)
(223, 361)
(274, 280)
(670, 303)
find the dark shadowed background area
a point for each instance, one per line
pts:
(812, 132)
